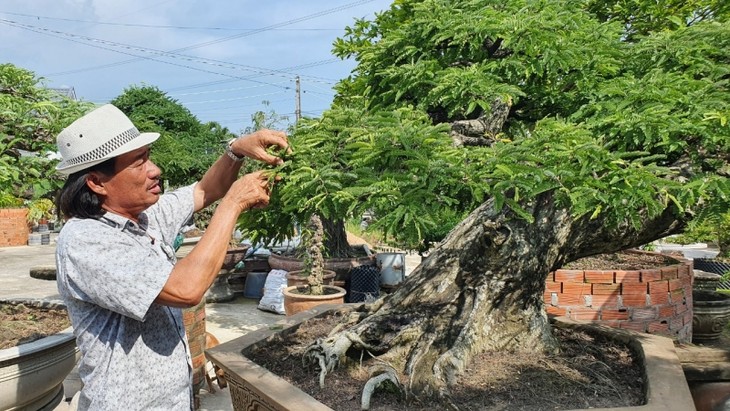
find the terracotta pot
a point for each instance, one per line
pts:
(254, 387)
(233, 257)
(32, 374)
(341, 266)
(299, 278)
(296, 300)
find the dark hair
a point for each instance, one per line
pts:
(76, 198)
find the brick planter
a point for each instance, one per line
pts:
(13, 227)
(194, 320)
(655, 301)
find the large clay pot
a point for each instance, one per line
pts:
(32, 374)
(341, 266)
(234, 256)
(710, 316)
(298, 277)
(297, 300)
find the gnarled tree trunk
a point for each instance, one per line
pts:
(481, 289)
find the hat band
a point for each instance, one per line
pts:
(103, 150)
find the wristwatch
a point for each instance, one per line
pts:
(231, 154)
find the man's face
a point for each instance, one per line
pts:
(134, 187)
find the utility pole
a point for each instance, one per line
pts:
(298, 106)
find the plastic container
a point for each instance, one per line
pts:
(392, 268)
(254, 285)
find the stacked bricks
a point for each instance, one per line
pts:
(194, 320)
(655, 301)
(13, 227)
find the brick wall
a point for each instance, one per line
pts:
(656, 301)
(13, 227)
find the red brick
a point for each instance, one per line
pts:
(633, 325)
(614, 324)
(684, 271)
(651, 275)
(676, 284)
(557, 311)
(643, 314)
(606, 289)
(567, 300)
(584, 314)
(598, 276)
(634, 289)
(604, 301)
(569, 275)
(576, 288)
(658, 286)
(680, 308)
(633, 300)
(666, 311)
(547, 297)
(552, 286)
(627, 276)
(670, 273)
(678, 297)
(658, 327)
(614, 314)
(659, 298)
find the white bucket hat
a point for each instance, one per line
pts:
(98, 136)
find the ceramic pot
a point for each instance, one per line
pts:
(297, 300)
(298, 278)
(32, 374)
(710, 316)
(341, 266)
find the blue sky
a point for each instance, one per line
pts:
(220, 59)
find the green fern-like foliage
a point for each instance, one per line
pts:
(620, 117)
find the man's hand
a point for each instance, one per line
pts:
(250, 191)
(254, 145)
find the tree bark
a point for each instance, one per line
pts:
(482, 289)
(335, 239)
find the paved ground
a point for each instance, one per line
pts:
(226, 321)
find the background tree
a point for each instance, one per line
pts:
(30, 118)
(562, 132)
(186, 147)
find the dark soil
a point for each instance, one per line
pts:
(20, 324)
(623, 260)
(589, 372)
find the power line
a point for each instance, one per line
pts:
(154, 26)
(256, 31)
(218, 63)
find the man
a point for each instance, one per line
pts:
(117, 271)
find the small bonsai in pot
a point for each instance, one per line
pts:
(302, 297)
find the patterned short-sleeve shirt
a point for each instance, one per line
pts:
(110, 270)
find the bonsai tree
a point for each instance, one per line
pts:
(556, 131)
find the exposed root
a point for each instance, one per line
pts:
(326, 353)
(382, 374)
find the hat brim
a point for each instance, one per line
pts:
(140, 141)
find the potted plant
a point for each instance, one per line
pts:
(302, 297)
(40, 212)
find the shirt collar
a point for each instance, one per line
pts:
(125, 224)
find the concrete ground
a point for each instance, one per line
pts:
(225, 320)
